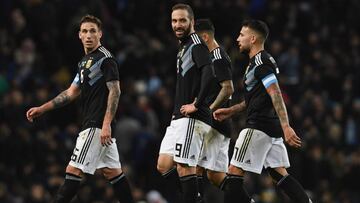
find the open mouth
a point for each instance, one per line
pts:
(179, 32)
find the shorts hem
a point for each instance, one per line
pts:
(182, 161)
(224, 170)
(285, 165)
(246, 168)
(82, 168)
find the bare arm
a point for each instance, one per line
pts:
(290, 136)
(65, 97)
(275, 93)
(227, 89)
(112, 102)
(238, 108)
(225, 113)
(60, 100)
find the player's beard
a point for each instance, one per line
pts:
(245, 50)
(185, 34)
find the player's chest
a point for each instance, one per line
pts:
(184, 60)
(89, 70)
(249, 77)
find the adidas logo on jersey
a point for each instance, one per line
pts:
(204, 158)
(248, 161)
(192, 157)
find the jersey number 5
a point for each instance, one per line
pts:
(82, 76)
(74, 156)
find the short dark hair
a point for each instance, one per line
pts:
(258, 26)
(204, 25)
(91, 19)
(184, 7)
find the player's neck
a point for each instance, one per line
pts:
(213, 45)
(255, 50)
(88, 51)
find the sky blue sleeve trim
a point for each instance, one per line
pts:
(76, 80)
(269, 80)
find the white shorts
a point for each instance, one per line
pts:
(90, 155)
(214, 154)
(254, 150)
(168, 142)
(183, 140)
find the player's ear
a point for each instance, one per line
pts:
(79, 34)
(100, 33)
(253, 39)
(205, 36)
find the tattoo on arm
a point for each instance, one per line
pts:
(222, 97)
(238, 108)
(113, 100)
(242, 106)
(278, 103)
(62, 99)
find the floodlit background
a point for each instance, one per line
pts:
(315, 43)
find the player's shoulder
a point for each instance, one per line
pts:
(263, 57)
(195, 39)
(219, 54)
(103, 52)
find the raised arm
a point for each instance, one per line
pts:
(60, 100)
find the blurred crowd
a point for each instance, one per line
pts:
(315, 43)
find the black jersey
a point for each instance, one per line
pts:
(192, 60)
(94, 70)
(222, 72)
(261, 115)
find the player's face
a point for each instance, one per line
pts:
(90, 35)
(244, 40)
(181, 23)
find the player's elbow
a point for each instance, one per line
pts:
(117, 92)
(229, 90)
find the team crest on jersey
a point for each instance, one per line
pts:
(88, 64)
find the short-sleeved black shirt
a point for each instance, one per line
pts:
(192, 57)
(261, 114)
(222, 72)
(94, 70)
